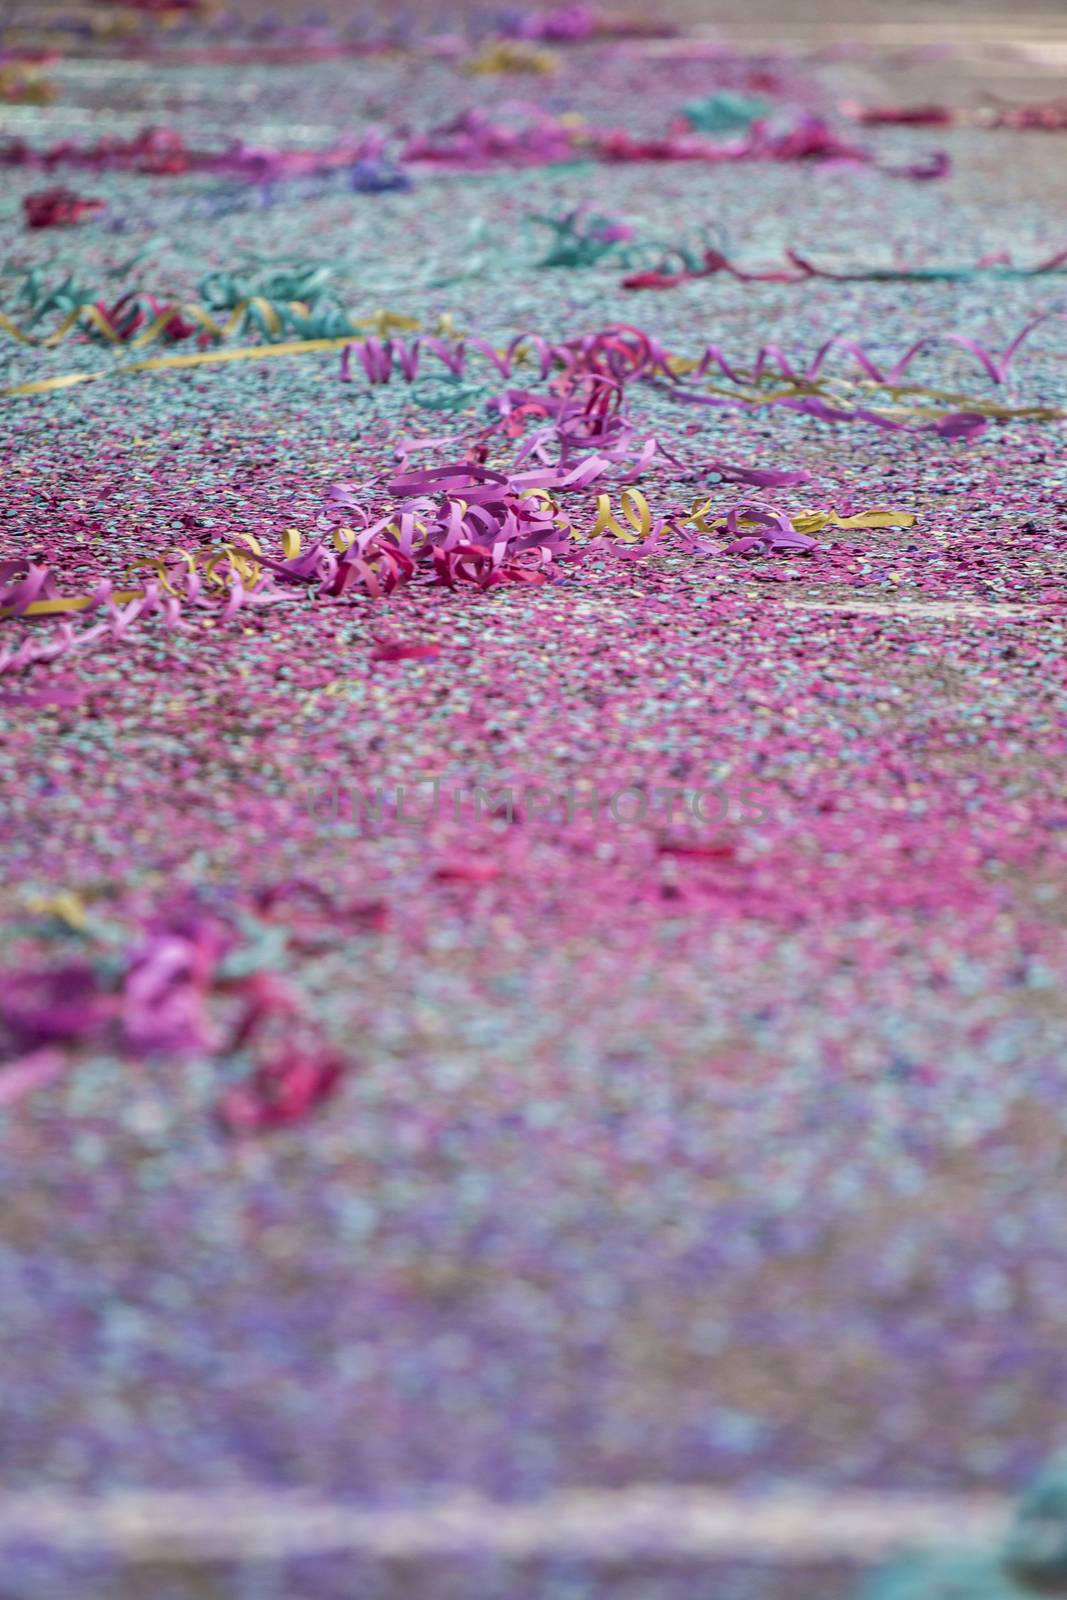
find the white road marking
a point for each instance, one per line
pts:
(794, 1526)
(924, 608)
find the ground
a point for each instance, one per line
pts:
(672, 950)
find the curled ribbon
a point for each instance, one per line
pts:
(382, 321)
(119, 323)
(179, 320)
(636, 511)
(619, 354)
(702, 518)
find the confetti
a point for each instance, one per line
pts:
(532, 807)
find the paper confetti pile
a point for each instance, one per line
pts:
(532, 623)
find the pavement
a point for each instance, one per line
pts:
(685, 1218)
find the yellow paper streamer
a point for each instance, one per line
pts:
(382, 324)
(877, 517)
(701, 518)
(205, 358)
(65, 603)
(635, 509)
